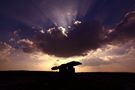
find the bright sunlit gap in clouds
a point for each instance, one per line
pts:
(50, 61)
(61, 14)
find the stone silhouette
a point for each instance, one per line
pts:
(67, 68)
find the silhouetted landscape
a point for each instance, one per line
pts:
(41, 80)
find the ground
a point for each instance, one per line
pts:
(40, 80)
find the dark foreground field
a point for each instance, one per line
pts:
(37, 80)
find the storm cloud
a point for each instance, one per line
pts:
(82, 38)
(125, 30)
(85, 37)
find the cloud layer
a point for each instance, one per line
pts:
(81, 39)
(126, 29)
(85, 37)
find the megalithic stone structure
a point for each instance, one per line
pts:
(67, 68)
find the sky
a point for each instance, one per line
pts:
(39, 34)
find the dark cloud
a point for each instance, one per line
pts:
(82, 38)
(126, 29)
